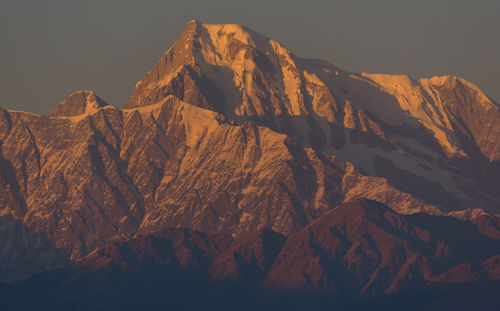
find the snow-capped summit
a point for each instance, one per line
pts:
(424, 128)
(230, 131)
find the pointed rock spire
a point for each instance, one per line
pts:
(78, 103)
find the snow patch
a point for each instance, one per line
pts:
(198, 122)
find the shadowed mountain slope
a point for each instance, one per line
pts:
(359, 255)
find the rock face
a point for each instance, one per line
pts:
(232, 132)
(358, 250)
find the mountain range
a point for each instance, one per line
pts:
(237, 169)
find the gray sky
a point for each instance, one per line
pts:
(51, 48)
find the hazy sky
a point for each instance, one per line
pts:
(51, 48)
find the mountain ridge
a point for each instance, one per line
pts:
(230, 131)
(358, 252)
(333, 111)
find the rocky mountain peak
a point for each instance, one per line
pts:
(387, 125)
(78, 103)
(226, 67)
(239, 163)
(232, 132)
(223, 39)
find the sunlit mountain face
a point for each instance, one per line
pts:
(241, 176)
